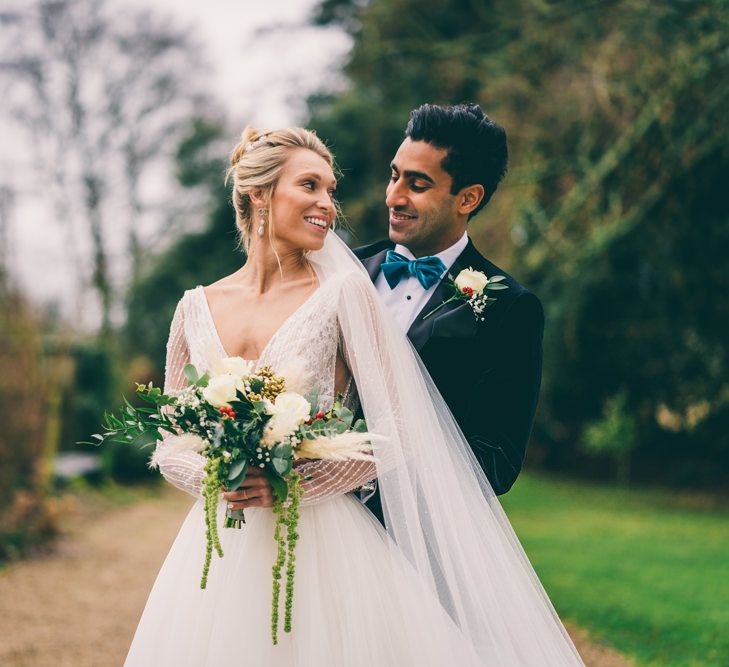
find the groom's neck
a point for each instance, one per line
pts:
(434, 246)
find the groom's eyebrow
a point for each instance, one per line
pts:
(410, 173)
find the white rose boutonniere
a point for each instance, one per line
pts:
(468, 279)
(472, 286)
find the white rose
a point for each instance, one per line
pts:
(237, 366)
(221, 390)
(476, 280)
(288, 410)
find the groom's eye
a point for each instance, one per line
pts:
(418, 188)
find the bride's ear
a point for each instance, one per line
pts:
(258, 198)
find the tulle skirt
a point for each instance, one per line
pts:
(356, 599)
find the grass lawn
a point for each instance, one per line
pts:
(643, 571)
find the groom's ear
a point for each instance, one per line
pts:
(469, 198)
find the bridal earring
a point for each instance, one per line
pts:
(262, 212)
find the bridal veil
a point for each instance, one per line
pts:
(439, 508)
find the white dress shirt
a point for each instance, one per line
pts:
(408, 297)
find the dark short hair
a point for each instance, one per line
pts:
(477, 152)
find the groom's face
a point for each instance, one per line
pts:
(423, 212)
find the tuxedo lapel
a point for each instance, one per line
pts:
(420, 330)
(372, 264)
(453, 319)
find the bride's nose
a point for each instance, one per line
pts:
(327, 207)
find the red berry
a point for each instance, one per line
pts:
(467, 290)
(319, 415)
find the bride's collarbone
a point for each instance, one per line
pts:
(246, 322)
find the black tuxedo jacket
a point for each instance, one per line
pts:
(488, 372)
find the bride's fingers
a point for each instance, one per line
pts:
(254, 482)
(249, 485)
(263, 498)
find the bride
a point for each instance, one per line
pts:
(447, 582)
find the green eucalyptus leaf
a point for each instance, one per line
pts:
(282, 450)
(338, 427)
(496, 279)
(236, 468)
(191, 373)
(234, 482)
(278, 485)
(281, 466)
(497, 286)
(346, 415)
(146, 438)
(360, 426)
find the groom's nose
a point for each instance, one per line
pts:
(395, 195)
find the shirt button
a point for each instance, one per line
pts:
(408, 297)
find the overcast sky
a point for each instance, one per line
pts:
(258, 78)
(258, 75)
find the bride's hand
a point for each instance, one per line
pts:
(254, 492)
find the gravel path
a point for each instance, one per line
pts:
(79, 607)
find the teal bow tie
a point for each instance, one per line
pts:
(427, 270)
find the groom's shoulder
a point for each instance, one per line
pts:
(365, 251)
(516, 292)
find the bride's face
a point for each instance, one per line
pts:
(302, 204)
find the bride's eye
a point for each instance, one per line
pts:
(309, 185)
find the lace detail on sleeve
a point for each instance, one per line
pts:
(181, 469)
(321, 480)
(331, 478)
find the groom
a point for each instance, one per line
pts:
(445, 171)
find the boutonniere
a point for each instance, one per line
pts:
(472, 286)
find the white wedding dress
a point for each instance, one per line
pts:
(362, 597)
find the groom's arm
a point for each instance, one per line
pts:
(500, 409)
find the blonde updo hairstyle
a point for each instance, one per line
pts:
(256, 164)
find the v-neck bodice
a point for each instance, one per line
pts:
(206, 307)
(307, 339)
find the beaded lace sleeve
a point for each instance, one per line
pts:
(324, 479)
(181, 469)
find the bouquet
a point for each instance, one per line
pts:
(238, 418)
